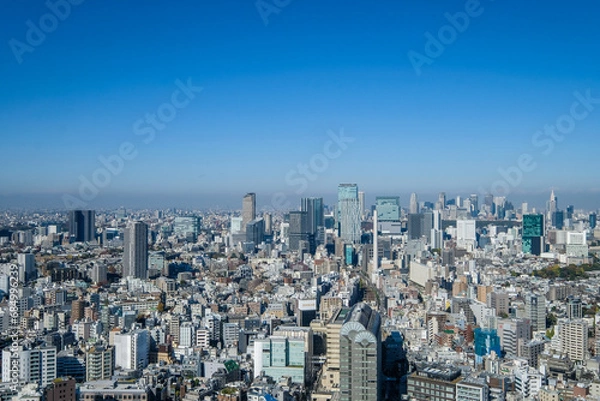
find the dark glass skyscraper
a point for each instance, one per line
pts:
(82, 225)
(315, 217)
(533, 234)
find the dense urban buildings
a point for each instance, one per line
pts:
(462, 301)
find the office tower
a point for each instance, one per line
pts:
(268, 223)
(288, 352)
(187, 226)
(360, 355)
(499, 302)
(306, 311)
(255, 231)
(573, 335)
(37, 365)
(558, 219)
(388, 208)
(348, 213)
(533, 234)
(375, 244)
(535, 311)
(574, 308)
(514, 333)
(132, 349)
(27, 270)
(361, 203)
(420, 225)
(82, 225)
(100, 363)
(248, 209)
(474, 201)
(576, 245)
(442, 200)
(300, 239)
(486, 341)
(552, 205)
(135, 257)
(315, 211)
(593, 220)
(236, 225)
(466, 234)
(524, 208)
(570, 211)
(414, 204)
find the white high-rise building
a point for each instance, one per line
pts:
(203, 338)
(186, 335)
(132, 349)
(535, 311)
(466, 234)
(36, 365)
(135, 256)
(573, 336)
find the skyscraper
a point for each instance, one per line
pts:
(361, 203)
(533, 234)
(535, 310)
(442, 200)
(132, 349)
(82, 225)
(248, 209)
(360, 355)
(414, 204)
(348, 213)
(300, 239)
(315, 217)
(135, 257)
(388, 208)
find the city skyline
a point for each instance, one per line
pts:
(465, 120)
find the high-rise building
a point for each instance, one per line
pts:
(533, 234)
(187, 226)
(77, 309)
(466, 234)
(552, 205)
(558, 219)
(441, 200)
(574, 308)
(361, 203)
(388, 208)
(573, 335)
(348, 213)
(248, 209)
(315, 218)
(37, 365)
(135, 257)
(474, 201)
(593, 220)
(27, 270)
(283, 354)
(514, 333)
(414, 204)
(535, 311)
(300, 239)
(132, 349)
(82, 225)
(100, 363)
(255, 231)
(360, 355)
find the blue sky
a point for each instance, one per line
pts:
(272, 92)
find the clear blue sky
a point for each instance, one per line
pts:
(271, 93)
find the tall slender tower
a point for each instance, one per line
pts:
(248, 209)
(375, 244)
(348, 213)
(414, 204)
(135, 257)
